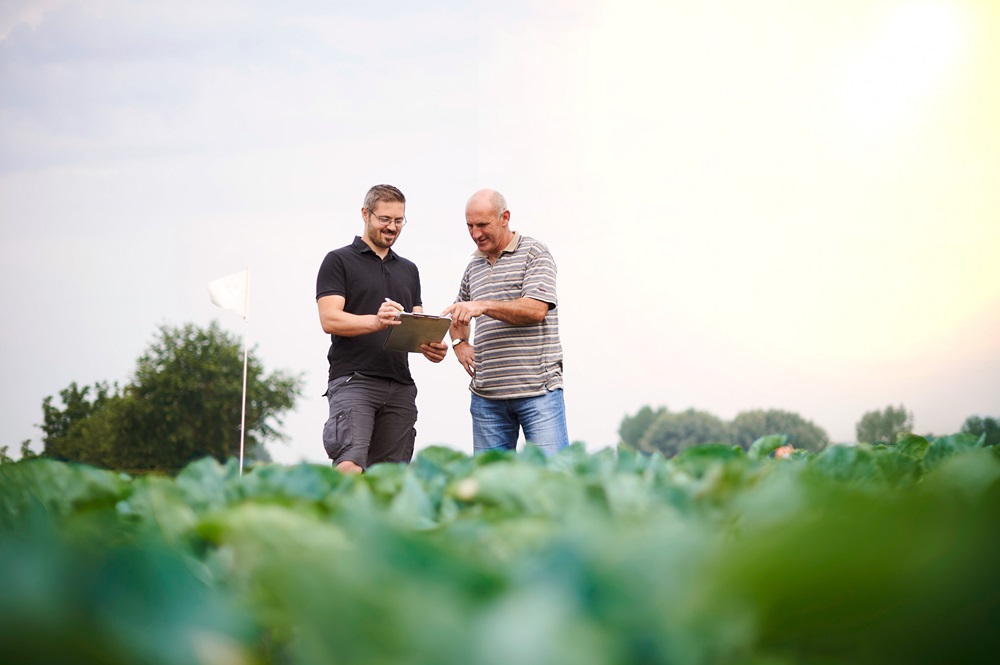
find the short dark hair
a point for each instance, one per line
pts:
(382, 193)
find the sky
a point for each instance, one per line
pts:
(752, 205)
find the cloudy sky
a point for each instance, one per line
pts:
(752, 205)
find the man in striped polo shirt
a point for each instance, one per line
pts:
(509, 287)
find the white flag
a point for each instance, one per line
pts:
(232, 292)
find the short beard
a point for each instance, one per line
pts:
(375, 235)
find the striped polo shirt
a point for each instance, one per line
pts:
(513, 362)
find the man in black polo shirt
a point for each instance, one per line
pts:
(359, 290)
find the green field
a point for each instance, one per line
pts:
(885, 554)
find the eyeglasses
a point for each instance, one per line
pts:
(400, 222)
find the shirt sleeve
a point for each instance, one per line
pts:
(417, 301)
(332, 278)
(540, 276)
(463, 289)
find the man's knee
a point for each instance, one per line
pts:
(347, 466)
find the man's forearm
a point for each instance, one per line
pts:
(518, 312)
(344, 324)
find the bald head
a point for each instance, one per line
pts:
(487, 199)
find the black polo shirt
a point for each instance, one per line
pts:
(365, 281)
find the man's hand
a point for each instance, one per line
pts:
(435, 351)
(388, 314)
(466, 354)
(463, 312)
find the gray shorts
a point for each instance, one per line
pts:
(371, 420)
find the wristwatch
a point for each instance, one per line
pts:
(456, 342)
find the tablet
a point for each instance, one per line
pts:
(416, 329)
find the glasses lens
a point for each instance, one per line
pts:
(386, 221)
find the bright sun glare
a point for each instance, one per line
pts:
(914, 49)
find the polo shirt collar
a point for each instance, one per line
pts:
(362, 247)
(509, 249)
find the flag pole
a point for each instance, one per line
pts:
(246, 333)
(229, 293)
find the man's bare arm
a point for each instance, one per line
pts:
(336, 321)
(518, 312)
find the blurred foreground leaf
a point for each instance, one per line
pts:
(864, 554)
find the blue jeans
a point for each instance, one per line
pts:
(495, 422)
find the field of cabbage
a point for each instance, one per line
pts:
(853, 555)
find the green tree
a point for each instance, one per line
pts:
(634, 427)
(63, 429)
(183, 403)
(749, 426)
(672, 433)
(26, 452)
(979, 426)
(884, 426)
